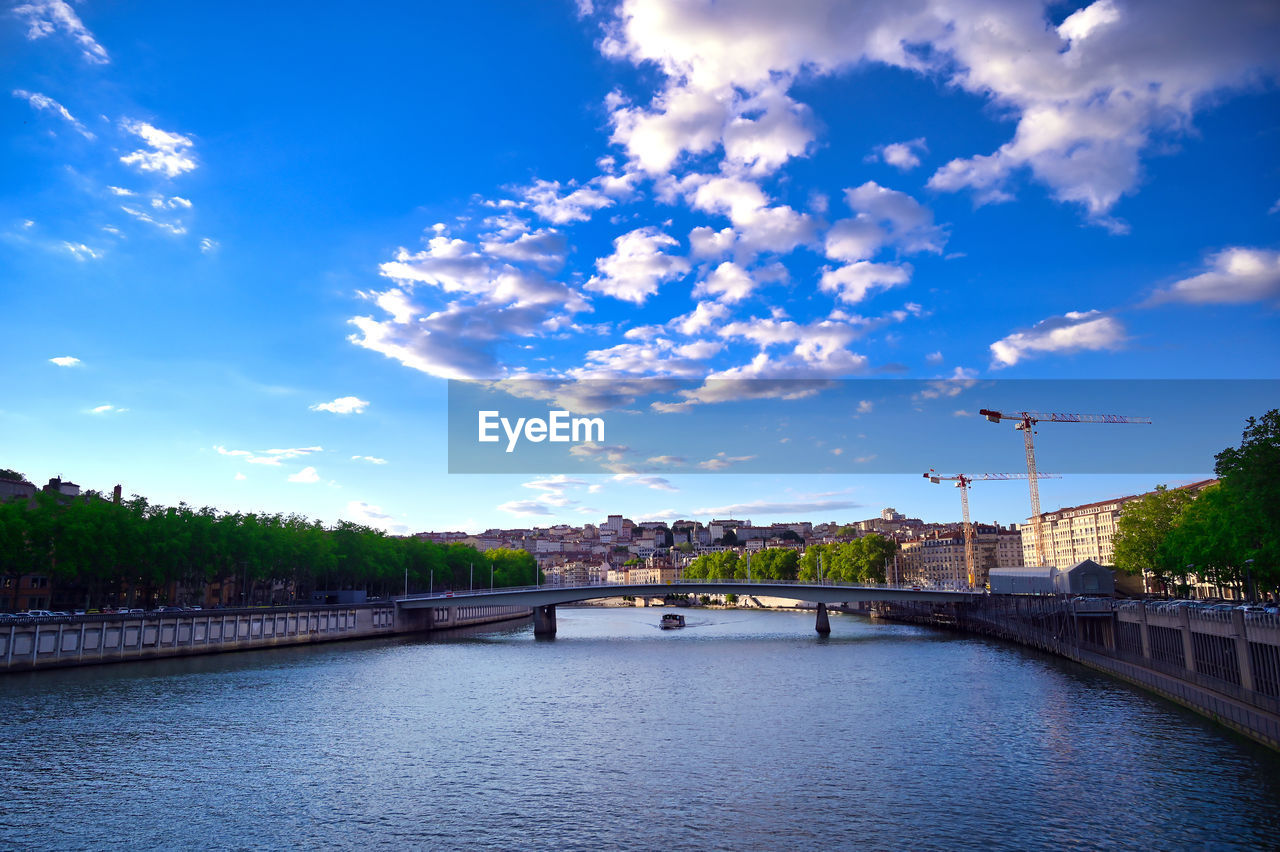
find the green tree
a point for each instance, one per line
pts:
(1250, 476)
(1141, 532)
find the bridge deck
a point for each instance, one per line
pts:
(551, 595)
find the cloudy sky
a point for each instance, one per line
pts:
(241, 257)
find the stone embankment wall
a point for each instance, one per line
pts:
(49, 642)
(1222, 664)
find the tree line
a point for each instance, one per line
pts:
(1229, 535)
(862, 560)
(103, 553)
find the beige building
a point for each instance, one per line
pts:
(938, 561)
(1077, 533)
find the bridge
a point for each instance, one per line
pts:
(543, 599)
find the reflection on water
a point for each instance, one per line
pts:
(744, 730)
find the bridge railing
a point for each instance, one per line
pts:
(658, 587)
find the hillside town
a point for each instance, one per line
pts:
(619, 550)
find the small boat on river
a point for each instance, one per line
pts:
(671, 621)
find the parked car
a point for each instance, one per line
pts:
(38, 613)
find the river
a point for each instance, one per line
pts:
(745, 730)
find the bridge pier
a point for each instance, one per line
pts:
(824, 621)
(544, 620)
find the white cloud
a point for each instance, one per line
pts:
(798, 508)
(1234, 276)
(525, 508)
(761, 227)
(107, 409)
(902, 155)
(306, 475)
(722, 461)
(637, 266)
(489, 303)
(208, 246)
(707, 242)
(704, 315)
(369, 515)
(865, 406)
(1076, 331)
(884, 217)
(43, 17)
(544, 248)
(44, 102)
(271, 458)
(170, 154)
(934, 357)
(343, 405)
(64, 361)
(728, 282)
(854, 282)
(80, 251)
(239, 477)
(655, 483)
(176, 228)
(1088, 97)
(369, 459)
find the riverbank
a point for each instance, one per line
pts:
(1222, 669)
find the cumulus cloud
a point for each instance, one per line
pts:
(1233, 276)
(44, 102)
(637, 266)
(728, 282)
(1074, 332)
(854, 282)
(488, 302)
(306, 475)
(883, 217)
(64, 361)
(903, 155)
(44, 17)
(1088, 97)
(170, 153)
(343, 405)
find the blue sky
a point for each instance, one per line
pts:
(241, 258)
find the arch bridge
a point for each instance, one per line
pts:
(543, 599)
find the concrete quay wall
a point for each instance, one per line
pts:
(1223, 665)
(41, 643)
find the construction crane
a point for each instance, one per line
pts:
(962, 481)
(1024, 422)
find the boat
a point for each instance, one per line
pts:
(672, 621)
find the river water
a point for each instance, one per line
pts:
(745, 730)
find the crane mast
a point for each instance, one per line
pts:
(963, 481)
(1026, 421)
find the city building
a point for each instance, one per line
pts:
(1076, 533)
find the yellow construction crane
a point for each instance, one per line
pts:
(962, 481)
(1025, 420)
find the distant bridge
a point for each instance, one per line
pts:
(543, 599)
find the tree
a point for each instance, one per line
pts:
(1141, 532)
(1250, 476)
(10, 473)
